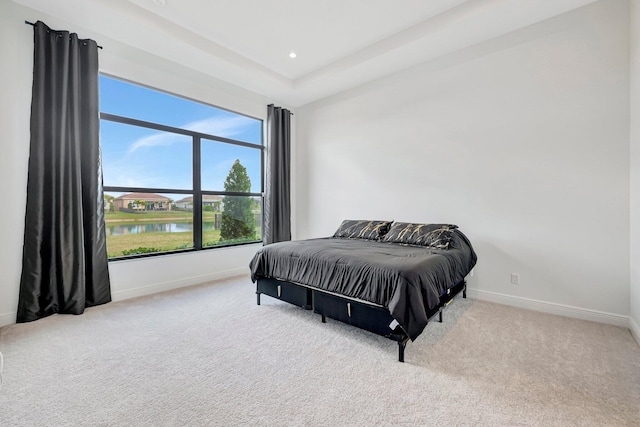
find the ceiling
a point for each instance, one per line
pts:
(339, 44)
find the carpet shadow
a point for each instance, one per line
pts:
(356, 340)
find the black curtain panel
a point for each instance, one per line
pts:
(64, 263)
(277, 201)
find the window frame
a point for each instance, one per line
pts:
(196, 190)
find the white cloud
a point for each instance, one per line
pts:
(227, 127)
(155, 140)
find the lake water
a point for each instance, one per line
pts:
(115, 229)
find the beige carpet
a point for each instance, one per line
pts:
(208, 355)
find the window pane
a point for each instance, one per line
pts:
(146, 223)
(134, 156)
(138, 102)
(218, 158)
(238, 220)
(139, 161)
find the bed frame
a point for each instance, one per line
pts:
(363, 315)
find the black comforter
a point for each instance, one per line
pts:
(408, 280)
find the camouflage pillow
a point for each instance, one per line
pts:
(371, 230)
(431, 235)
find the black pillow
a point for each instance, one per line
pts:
(431, 235)
(363, 229)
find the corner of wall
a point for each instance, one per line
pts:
(634, 166)
(635, 330)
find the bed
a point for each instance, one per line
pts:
(385, 277)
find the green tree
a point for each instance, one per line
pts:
(238, 222)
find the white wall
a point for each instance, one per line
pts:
(15, 102)
(128, 278)
(522, 141)
(635, 169)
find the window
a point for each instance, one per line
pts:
(178, 175)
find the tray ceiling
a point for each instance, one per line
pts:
(339, 44)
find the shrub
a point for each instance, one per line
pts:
(140, 250)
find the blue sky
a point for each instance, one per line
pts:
(139, 157)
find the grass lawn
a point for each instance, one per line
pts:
(161, 241)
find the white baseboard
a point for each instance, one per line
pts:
(7, 319)
(176, 284)
(635, 330)
(551, 308)
(526, 303)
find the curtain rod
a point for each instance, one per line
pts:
(33, 25)
(271, 105)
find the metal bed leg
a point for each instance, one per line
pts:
(464, 291)
(258, 297)
(440, 315)
(401, 345)
(324, 318)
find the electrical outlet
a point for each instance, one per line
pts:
(515, 279)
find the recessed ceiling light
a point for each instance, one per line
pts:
(292, 55)
(160, 2)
